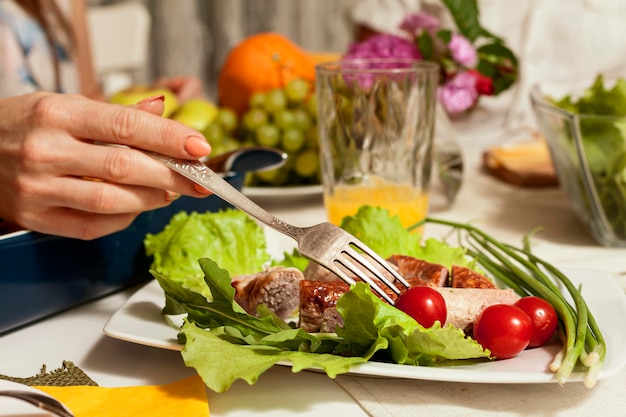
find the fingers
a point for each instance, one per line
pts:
(185, 87)
(80, 224)
(118, 165)
(154, 105)
(105, 198)
(116, 124)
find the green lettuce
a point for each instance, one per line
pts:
(604, 144)
(229, 237)
(224, 343)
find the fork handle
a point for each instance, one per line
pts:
(201, 174)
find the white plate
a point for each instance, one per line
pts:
(283, 192)
(14, 407)
(139, 320)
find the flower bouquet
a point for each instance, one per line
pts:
(473, 62)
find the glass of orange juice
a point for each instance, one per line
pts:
(376, 126)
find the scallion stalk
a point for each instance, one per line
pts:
(528, 274)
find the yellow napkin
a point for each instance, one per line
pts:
(183, 398)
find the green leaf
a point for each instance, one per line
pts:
(425, 45)
(221, 363)
(191, 236)
(466, 17)
(386, 236)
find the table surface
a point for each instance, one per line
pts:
(504, 210)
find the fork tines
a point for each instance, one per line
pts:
(357, 264)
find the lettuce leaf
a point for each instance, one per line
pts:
(386, 236)
(229, 237)
(604, 144)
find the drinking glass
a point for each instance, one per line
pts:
(376, 126)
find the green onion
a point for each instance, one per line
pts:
(527, 274)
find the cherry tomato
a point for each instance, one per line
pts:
(426, 305)
(542, 316)
(504, 329)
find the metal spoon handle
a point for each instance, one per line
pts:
(39, 400)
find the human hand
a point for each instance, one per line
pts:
(58, 178)
(185, 87)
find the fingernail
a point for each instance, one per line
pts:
(171, 196)
(202, 190)
(146, 100)
(196, 146)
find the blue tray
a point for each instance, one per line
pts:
(42, 274)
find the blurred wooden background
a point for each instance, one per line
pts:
(192, 37)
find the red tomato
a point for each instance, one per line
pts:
(424, 304)
(504, 329)
(542, 316)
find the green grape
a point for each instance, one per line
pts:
(307, 164)
(297, 89)
(274, 177)
(257, 100)
(311, 106)
(302, 120)
(227, 119)
(292, 140)
(268, 135)
(213, 133)
(285, 119)
(275, 100)
(312, 138)
(254, 118)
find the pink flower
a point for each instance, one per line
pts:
(415, 23)
(462, 50)
(458, 94)
(383, 46)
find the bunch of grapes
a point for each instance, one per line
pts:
(222, 131)
(285, 119)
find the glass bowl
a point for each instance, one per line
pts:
(589, 156)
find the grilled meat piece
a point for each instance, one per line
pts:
(409, 267)
(466, 278)
(277, 287)
(330, 320)
(465, 304)
(315, 298)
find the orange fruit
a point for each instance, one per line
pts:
(260, 63)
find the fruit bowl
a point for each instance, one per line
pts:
(589, 155)
(43, 274)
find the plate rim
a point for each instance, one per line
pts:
(283, 192)
(478, 373)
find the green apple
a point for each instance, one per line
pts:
(132, 95)
(196, 113)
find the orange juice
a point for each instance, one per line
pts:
(401, 200)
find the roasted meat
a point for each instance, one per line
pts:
(465, 304)
(315, 293)
(316, 297)
(277, 287)
(412, 268)
(466, 278)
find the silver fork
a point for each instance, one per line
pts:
(326, 244)
(39, 400)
